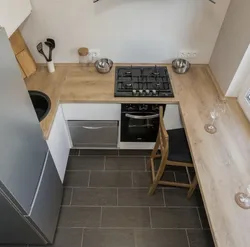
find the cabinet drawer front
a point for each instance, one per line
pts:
(47, 203)
(95, 134)
(86, 111)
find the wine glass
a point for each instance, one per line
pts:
(243, 199)
(219, 108)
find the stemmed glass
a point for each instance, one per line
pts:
(243, 199)
(218, 109)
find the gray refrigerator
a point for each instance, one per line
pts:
(30, 187)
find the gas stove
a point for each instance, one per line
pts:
(142, 81)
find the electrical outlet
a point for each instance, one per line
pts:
(188, 54)
(95, 53)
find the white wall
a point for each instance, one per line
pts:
(126, 30)
(231, 45)
(13, 13)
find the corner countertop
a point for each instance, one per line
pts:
(221, 160)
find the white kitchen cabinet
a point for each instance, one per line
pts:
(93, 111)
(13, 13)
(172, 117)
(59, 143)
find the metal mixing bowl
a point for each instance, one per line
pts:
(103, 65)
(180, 66)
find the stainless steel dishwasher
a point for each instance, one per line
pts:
(94, 133)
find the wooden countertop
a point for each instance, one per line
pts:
(222, 160)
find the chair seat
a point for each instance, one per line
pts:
(178, 146)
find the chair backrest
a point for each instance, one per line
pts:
(163, 135)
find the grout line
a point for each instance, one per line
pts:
(89, 179)
(117, 197)
(199, 217)
(145, 160)
(174, 177)
(100, 218)
(82, 237)
(135, 228)
(126, 206)
(150, 217)
(71, 196)
(135, 239)
(164, 200)
(104, 163)
(132, 179)
(106, 170)
(79, 152)
(187, 238)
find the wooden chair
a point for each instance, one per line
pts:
(174, 152)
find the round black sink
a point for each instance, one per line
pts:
(41, 103)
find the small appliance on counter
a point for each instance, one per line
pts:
(143, 81)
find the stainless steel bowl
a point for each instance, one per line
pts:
(103, 65)
(180, 66)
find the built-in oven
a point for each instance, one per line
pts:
(140, 122)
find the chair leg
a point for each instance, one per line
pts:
(153, 153)
(157, 177)
(193, 187)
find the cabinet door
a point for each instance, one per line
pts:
(46, 206)
(13, 13)
(59, 144)
(93, 111)
(14, 229)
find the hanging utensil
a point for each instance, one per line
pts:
(51, 44)
(40, 50)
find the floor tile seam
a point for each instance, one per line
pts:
(83, 230)
(187, 238)
(131, 228)
(89, 178)
(107, 170)
(127, 206)
(71, 196)
(104, 162)
(197, 209)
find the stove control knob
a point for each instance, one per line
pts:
(154, 92)
(134, 92)
(147, 91)
(140, 91)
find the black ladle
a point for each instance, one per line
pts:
(40, 50)
(51, 44)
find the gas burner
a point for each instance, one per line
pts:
(146, 81)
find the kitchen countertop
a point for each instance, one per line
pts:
(221, 160)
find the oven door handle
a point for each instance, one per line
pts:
(142, 117)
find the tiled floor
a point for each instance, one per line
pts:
(106, 204)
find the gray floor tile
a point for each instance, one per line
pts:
(203, 217)
(178, 197)
(108, 238)
(95, 196)
(67, 192)
(135, 152)
(161, 238)
(99, 152)
(181, 177)
(200, 238)
(86, 163)
(80, 217)
(66, 237)
(143, 179)
(74, 152)
(125, 163)
(175, 218)
(76, 178)
(110, 179)
(139, 197)
(125, 217)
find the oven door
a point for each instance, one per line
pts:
(139, 127)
